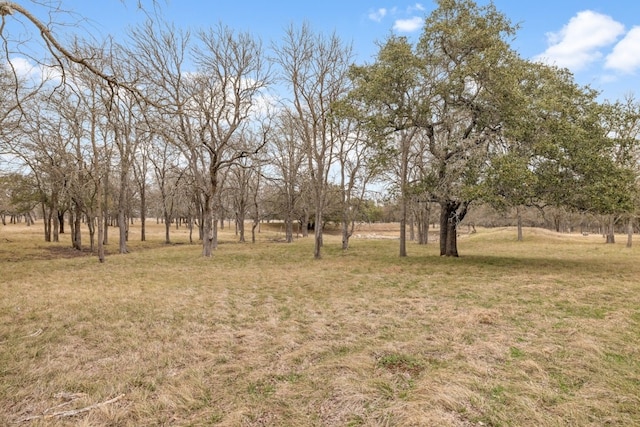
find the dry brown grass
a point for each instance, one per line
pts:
(543, 332)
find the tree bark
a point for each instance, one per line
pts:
(167, 227)
(75, 221)
(423, 223)
(143, 213)
(318, 235)
(208, 224)
(288, 227)
(451, 214)
(519, 223)
(611, 236)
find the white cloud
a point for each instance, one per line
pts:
(416, 7)
(25, 69)
(377, 15)
(408, 25)
(577, 44)
(625, 56)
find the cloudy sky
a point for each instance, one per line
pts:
(596, 39)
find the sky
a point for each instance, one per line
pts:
(598, 40)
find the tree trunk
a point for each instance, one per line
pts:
(452, 238)
(255, 224)
(519, 222)
(92, 232)
(412, 226)
(240, 216)
(61, 222)
(100, 225)
(318, 235)
(143, 213)
(403, 227)
(305, 223)
(630, 232)
(122, 226)
(75, 221)
(56, 226)
(46, 216)
(451, 214)
(611, 236)
(404, 166)
(346, 231)
(444, 230)
(423, 223)
(288, 228)
(167, 227)
(214, 235)
(105, 207)
(207, 227)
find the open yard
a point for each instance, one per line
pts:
(544, 332)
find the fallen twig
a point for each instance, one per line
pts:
(68, 399)
(72, 412)
(34, 334)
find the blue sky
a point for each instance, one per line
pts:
(598, 40)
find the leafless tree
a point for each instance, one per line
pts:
(314, 67)
(231, 77)
(287, 160)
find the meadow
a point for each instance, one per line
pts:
(544, 332)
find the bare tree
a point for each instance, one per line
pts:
(226, 90)
(357, 169)
(314, 67)
(287, 158)
(209, 109)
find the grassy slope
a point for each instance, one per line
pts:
(544, 332)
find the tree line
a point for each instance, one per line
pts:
(199, 126)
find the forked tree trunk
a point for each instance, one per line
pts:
(347, 230)
(451, 214)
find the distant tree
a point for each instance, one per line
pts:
(621, 121)
(242, 185)
(387, 98)
(574, 154)
(512, 182)
(286, 168)
(21, 196)
(355, 159)
(314, 68)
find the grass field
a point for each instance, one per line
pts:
(544, 332)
